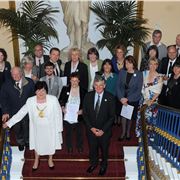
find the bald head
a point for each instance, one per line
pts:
(16, 73)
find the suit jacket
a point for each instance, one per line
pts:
(106, 113)
(82, 71)
(45, 57)
(65, 95)
(56, 85)
(12, 99)
(134, 87)
(164, 65)
(42, 72)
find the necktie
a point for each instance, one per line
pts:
(170, 69)
(49, 83)
(97, 106)
(17, 85)
(56, 72)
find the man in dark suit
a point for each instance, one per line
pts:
(13, 95)
(99, 113)
(39, 57)
(54, 57)
(165, 68)
(74, 65)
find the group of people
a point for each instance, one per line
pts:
(36, 102)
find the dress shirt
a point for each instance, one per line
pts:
(173, 61)
(39, 60)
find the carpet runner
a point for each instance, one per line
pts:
(74, 165)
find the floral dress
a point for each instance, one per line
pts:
(148, 92)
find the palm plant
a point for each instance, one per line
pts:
(33, 23)
(119, 23)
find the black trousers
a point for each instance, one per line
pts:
(69, 134)
(21, 130)
(96, 143)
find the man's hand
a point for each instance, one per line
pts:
(5, 117)
(94, 130)
(99, 133)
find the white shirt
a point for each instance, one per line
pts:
(173, 61)
(159, 44)
(74, 69)
(41, 60)
(93, 70)
(20, 83)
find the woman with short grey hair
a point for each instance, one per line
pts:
(29, 69)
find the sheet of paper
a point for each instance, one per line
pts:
(64, 80)
(71, 115)
(127, 111)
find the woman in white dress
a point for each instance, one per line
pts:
(45, 123)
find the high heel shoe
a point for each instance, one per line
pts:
(35, 169)
(51, 167)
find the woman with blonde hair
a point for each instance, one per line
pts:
(75, 65)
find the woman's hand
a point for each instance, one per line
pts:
(80, 112)
(5, 125)
(124, 101)
(63, 109)
(5, 117)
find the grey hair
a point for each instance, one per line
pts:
(99, 78)
(27, 59)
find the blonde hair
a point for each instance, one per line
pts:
(75, 49)
(154, 60)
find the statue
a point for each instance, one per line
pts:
(76, 18)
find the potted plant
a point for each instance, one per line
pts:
(119, 23)
(32, 22)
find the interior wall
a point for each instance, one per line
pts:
(164, 16)
(5, 37)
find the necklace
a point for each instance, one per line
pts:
(41, 111)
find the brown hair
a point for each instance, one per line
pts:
(131, 60)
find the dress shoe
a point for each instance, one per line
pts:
(102, 171)
(51, 167)
(128, 138)
(21, 147)
(91, 168)
(121, 138)
(27, 145)
(70, 150)
(80, 150)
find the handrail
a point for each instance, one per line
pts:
(142, 153)
(6, 157)
(160, 129)
(1, 142)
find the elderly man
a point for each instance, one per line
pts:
(39, 57)
(13, 95)
(166, 69)
(99, 113)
